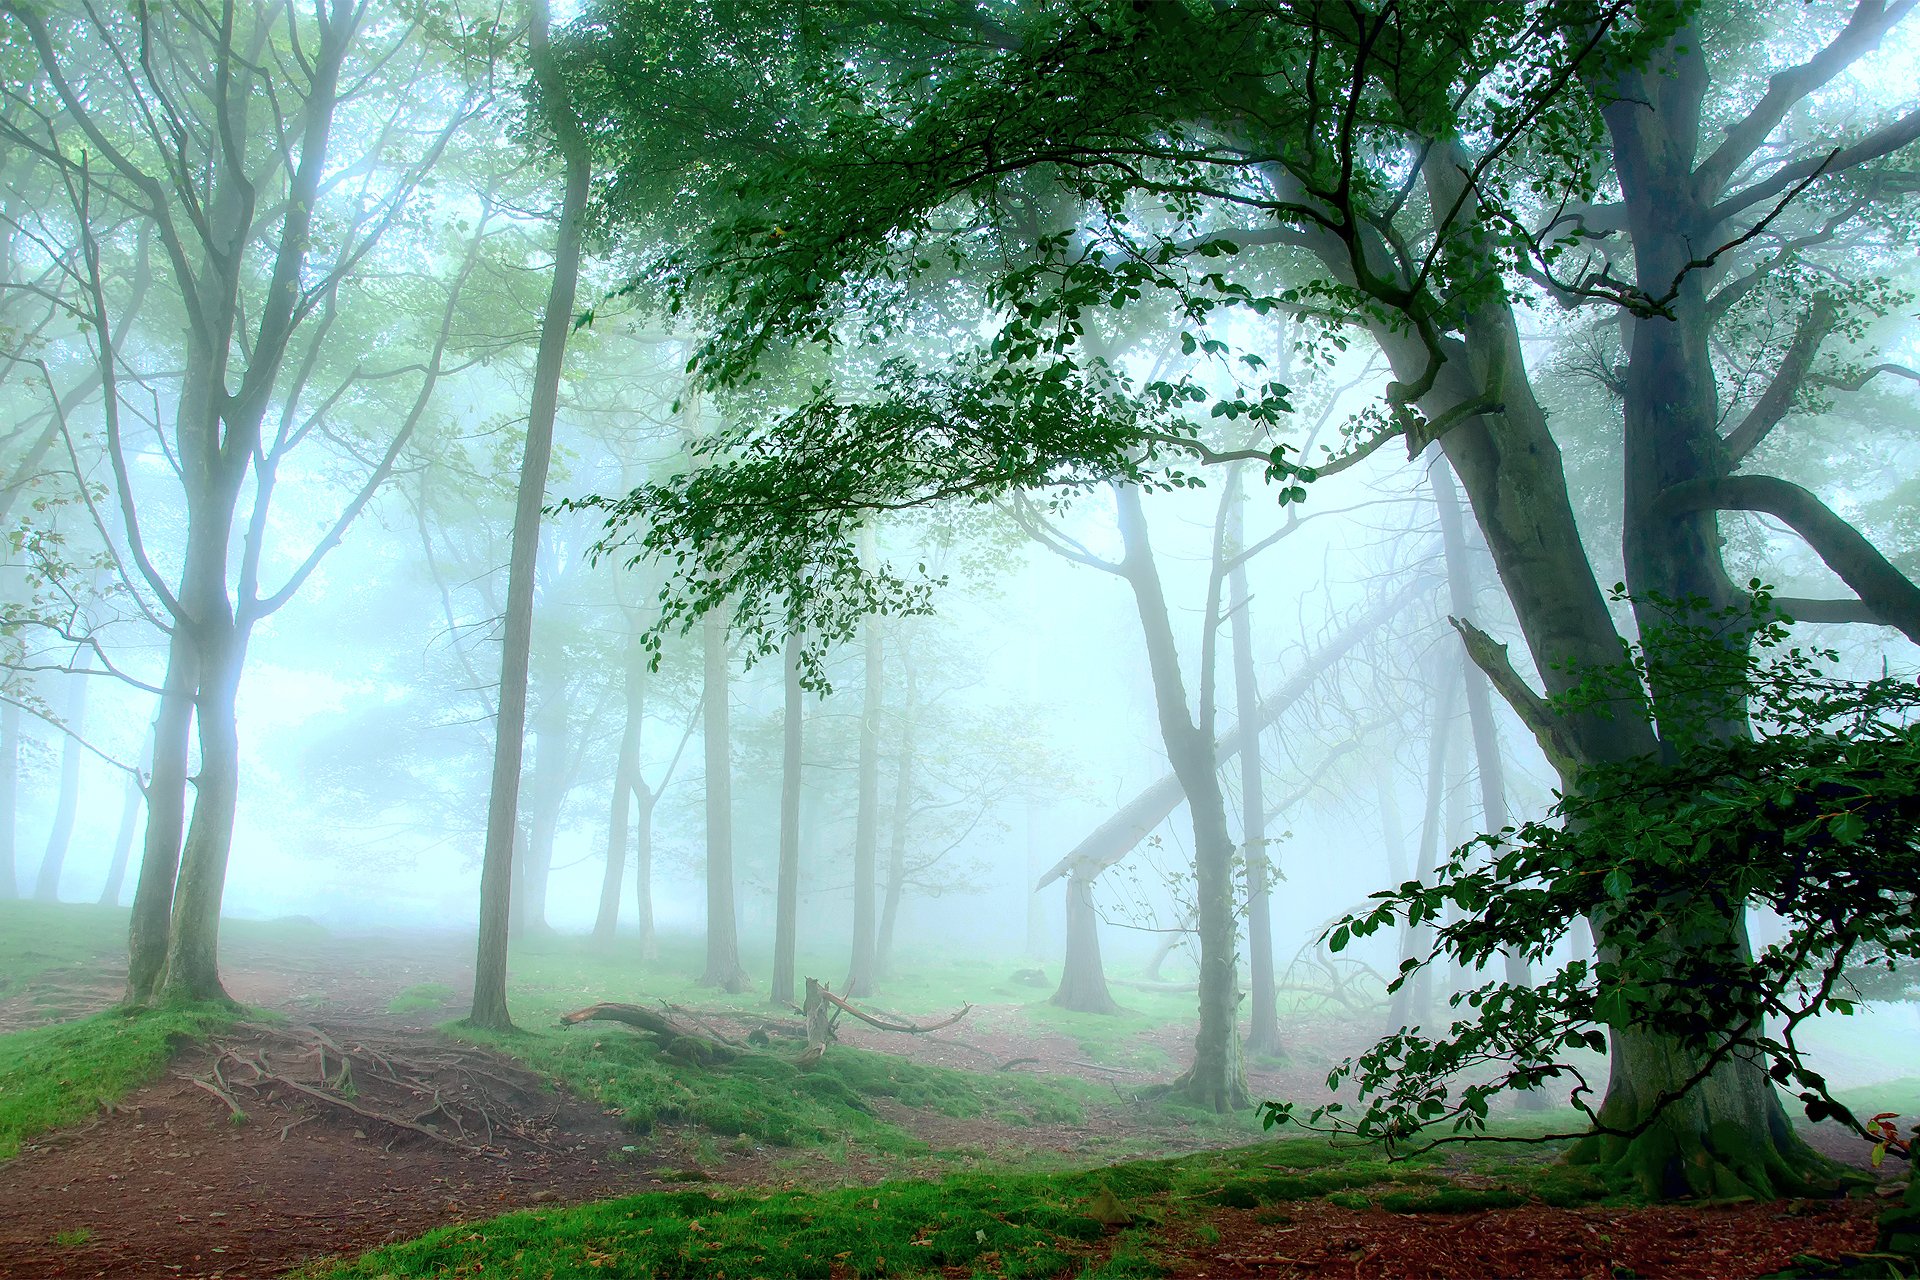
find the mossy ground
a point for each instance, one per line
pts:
(1093, 1223)
(58, 1075)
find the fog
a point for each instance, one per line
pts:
(352, 597)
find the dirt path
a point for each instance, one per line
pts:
(173, 1183)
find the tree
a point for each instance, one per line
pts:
(1373, 143)
(264, 220)
(1815, 817)
(503, 794)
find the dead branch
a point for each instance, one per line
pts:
(1011, 1063)
(883, 1024)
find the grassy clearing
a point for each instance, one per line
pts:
(36, 938)
(1094, 1223)
(421, 997)
(53, 1076)
(766, 1097)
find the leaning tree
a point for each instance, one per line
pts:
(1434, 170)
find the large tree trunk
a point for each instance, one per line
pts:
(503, 799)
(1729, 1135)
(786, 911)
(1263, 1031)
(903, 782)
(9, 794)
(723, 931)
(626, 773)
(46, 887)
(193, 967)
(1217, 1080)
(866, 822)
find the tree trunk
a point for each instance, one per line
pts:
(903, 782)
(626, 772)
(548, 785)
(786, 912)
(723, 937)
(166, 813)
(1083, 982)
(1217, 1079)
(1412, 1004)
(9, 795)
(47, 886)
(123, 839)
(503, 799)
(193, 946)
(643, 869)
(1263, 1031)
(1135, 820)
(866, 822)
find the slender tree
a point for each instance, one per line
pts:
(503, 796)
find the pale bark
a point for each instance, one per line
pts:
(786, 919)
(1217, 1079)
(1263, 1030)
(723, 930)
(9, 794)
(1083, 981)
(73, 717)
(902, 817)
(866, 822)
(626, 775)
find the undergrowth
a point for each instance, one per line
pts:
(58, 1075)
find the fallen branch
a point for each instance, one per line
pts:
(883, 1024)
(1011, 1063)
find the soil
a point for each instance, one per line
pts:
(349, 1126)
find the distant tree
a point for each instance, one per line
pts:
(267, 173)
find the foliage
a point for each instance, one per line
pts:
(58, 1075)
(1814, 819)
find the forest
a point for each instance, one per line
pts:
(939, 638)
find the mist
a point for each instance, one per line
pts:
(804, 525)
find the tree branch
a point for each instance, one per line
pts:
(1546, 724)
(1881, 587)
(1777, 400)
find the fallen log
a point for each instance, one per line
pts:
(675, 1039)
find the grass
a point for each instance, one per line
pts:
(1092, 1223)
(420, 997)
(73, 1239)
(37, 938)
(764, 1096)
(58, 1075)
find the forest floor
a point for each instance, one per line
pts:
(338, 1116)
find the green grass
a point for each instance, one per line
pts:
(1091, 1223)
(766, 1097)
(72, 1239)
(36, 938)
(423, 996)
(58, 1075)
(1011, 1224)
